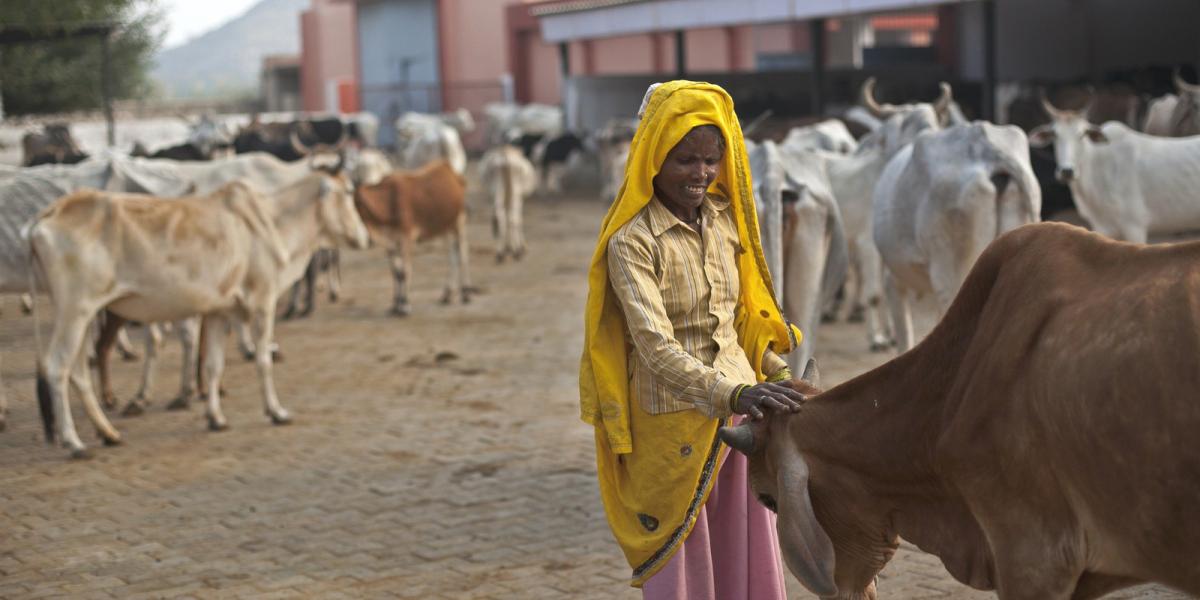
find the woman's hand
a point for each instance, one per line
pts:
(757, 400)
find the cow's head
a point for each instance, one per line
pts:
(1185, 120)
(1070, 132)
(339, 220)
(945, 111)
(832, 539)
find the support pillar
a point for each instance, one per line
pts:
(816, 40)
(680, 54)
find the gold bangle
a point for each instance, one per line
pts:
(737, 392)
(784, 374)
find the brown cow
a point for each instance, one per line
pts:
(1041, 440)
(407, 207)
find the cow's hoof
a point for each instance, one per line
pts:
(130, 356)
(858, 315)
(447, 298)
(500, 259)
(180, 403)
(282, 418)
(333, 297)
(247, 356)
(217, 425)
(109, 401)
(80, 454)
(288, 314)
(401, 310)
(110, 442)
(519, 254)
(276, 356)
(3, 423)
(135, 408)
(466, 298)
(828, 318)
(880, 346)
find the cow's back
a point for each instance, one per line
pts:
(1077, 401)
(424, 203)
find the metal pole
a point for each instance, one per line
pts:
(816, 28)
(106, 87)
(680, 54)
(989, 60)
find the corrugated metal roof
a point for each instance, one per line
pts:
(569, 6)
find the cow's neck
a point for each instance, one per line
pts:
(296, 218)
(894, 407)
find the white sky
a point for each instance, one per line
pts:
(187, 19)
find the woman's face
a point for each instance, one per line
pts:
(690, 167)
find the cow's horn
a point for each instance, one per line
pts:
(1047, 105)
(1091, 99)
(868, 100)
(811, 375)
(297, 146)
(1182, 86)
(739, 437)
(942, 104)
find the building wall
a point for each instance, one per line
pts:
(327, 54)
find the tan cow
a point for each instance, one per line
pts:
(1041, 441)
(151, 259)
(509, 177)
(413, 206)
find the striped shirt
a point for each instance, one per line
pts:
(679, 292)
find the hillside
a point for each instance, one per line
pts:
(227, 59)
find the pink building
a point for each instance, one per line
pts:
(328, 71)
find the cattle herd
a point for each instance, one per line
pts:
(1009, 455)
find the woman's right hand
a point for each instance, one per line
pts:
(757, 400)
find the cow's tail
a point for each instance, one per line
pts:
(510, 191)
(44, 397)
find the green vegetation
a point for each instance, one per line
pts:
(66, 74)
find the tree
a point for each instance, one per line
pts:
(66, 74)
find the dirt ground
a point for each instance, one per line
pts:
(436, 456)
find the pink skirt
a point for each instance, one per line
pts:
(732, 552)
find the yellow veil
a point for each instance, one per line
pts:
(651, 495)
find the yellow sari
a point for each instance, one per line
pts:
(651, 495)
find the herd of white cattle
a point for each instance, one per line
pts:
(903, 213)
(898, 215)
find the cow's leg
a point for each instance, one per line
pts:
(870, 284)
(214, 333)
(516, 225)
(66, 343)
(803, 269)
(81, 381)
(27, 303)
(334, 274)
(500, 222)
(110, 324)
(264, 326)
(137, 406)
(399, 261)
(189, 333)
(898, 300)
(125, 346)
(246, 341)
(310, 284)
(294, 295)
(464, 258)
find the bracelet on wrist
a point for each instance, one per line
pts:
(784, 374)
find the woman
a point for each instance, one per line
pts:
(681, 327)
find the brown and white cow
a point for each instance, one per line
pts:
(1041, 441)
(407, 207)
(151, 259)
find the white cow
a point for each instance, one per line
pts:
(506, 121)
(1175, 115)
(423, 138)
(853, 179)
(150, 259)
(940, 202)
(1126, 184)
(509, 177)
(802, 235)
(830, 135)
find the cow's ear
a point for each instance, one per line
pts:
(740, 438)
(806, 546)
(1041, 136)
(1096, 135)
